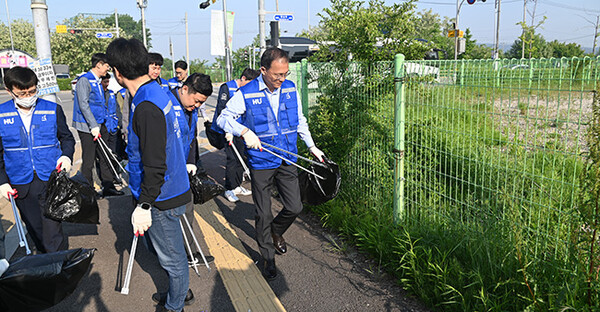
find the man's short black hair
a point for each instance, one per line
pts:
(155, 59)
(199, 83)
(97, 58)
(272, 54)
(20, 77)
(181, 64)
(250, 73)
(129, 57)
(107, 76)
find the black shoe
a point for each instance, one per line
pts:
(198, 257)
(279, 243)
(163, 309)
(269, 269)
(111, 192)
(161, 298)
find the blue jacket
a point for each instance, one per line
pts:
(173, 83)
(164, 84)
(260, 118)
(176, 178)
(188, 129)
(96, 102)
(25, 152)
(232, 87)
(112, 120)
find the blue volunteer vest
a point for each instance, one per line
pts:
(112, 120)
(25, 152)
(260, 118)
(96, 101)
(187, 130)
(173, 83)
(176, 178)
(232, 86)
(164, 84)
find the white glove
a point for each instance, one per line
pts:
(317, 152)
(3, 266)
(191, 168)
(228, 137)
(252, 141)
(95, 133)
(141, 219)
(63, 164)
(6, 189)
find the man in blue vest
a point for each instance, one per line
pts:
(34, 140)
(157, 173)
(181, 74)
(89, 117)
(113, 118)
(233, 168)
(155, 68)
(271, 112)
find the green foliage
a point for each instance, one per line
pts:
(563, 49)
(23, 36)
(535, 44)
(130, 26)
(371, 33)
(64, 84)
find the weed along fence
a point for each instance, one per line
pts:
(467, 179)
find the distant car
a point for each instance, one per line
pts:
(516, 66)
(62, 76)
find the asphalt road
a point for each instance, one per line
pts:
(314, 275)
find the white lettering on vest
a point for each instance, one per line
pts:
(9, 121)
(44, 118)
(256, 101)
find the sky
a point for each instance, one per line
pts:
(567, 21)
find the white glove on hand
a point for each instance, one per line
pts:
(191, 168)
(317, 152)
(64, 163)
(3, 266)
(228, 137)
(95, 133)
(141, 219)
(6, 189)
(252, 141)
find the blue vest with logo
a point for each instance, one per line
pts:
(173, 83)
(25, 152)
(96, 101)
(176, 178)
(260, 118)
(112, 120)
(187, 129)
(164, 84)
(232, 86)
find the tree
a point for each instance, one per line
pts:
(474, 50)
(76, 50)
(535, 47)
(23, 36)
(373, 33)
(562, 49)
(130, 26)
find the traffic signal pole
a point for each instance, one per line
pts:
(39, 10)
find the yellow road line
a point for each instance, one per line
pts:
(244, 282)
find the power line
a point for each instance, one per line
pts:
(564, 6)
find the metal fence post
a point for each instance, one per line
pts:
(399, 123)
(304, 87)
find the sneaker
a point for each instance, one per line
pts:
(230, 195)
(161, 298)
(240, 190)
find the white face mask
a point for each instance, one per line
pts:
(26, 102)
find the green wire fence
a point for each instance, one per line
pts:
(496, 148)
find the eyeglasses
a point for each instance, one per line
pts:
(28, 93)
(280, 76)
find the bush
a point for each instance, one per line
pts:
(64, 84)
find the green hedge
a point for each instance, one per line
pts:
(64, 84)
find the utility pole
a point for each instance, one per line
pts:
(308, 11)
(117, 23)
(532, 24)
(187, 40)
(596, 34)
(523, 33)
(227, 51)
(39, 10)
(456, 29)
(497, 46)
(142, 4)
(261, 26)
(171, 53)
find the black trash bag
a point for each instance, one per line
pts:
(71, 199)
(204, 188)
(215, 138)
(315, 191)
(35, 283)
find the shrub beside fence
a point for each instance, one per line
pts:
(495, 213)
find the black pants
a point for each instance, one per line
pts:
(285, 178)
(233, 168)
(46, 234)
(90, 151)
